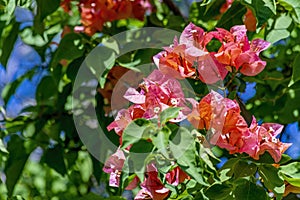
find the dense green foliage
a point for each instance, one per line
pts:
(63, 168)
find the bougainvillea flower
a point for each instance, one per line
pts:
(176, 176)
(113, 76)
(290, 189)
(95, 13)
(213, 109)
(194, 36)
(152, 187)
(66, 5)
(175, 62)
(133, 184)
(195, 40)
(158, 92)
(268, 142)
(250, 21)
(124, 117)
(238, 52)
(226, 6)
(210, 70)
(113, 166)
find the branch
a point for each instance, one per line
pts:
(173, 7)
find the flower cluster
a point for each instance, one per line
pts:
(189, 57)
(222, 119)
(94, 13)
(157, 93)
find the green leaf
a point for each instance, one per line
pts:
(44, 8)
(250, 191)
(293, 181)
(183, 149)
(168, 114)
(230, 164)
(17, 158)
(296, 70)
(2, 147)
(102, 59)
(218, 191)
(70, 48)
(271, 179)
(293, 6)
(284, 159)
(8, 43)
(54, 158)
(262, 9)
(291, 173)
(234, 15)
(244, 169)
(134, 132)
(161, 140)
(92, 196)
(138, 156)
(266, 158)
(18, 197)
(11, 88)
(280, 31)
(46, 93)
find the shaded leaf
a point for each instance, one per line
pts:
(296, 70)
(44, 8)
(218, 191)
(263, 9)
(250, 191)
(46, 93)
(271, 179)
(244, 169)
(70, 48)
(54, 158)
(8, 43)
(17, 158)
(234, 15)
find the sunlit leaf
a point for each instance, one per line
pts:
(168, 114)
(134, 132)
(280, 31)
(293, 6)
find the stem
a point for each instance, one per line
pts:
(173, 7)
(231, 79)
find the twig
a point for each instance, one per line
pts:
(173, 7)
